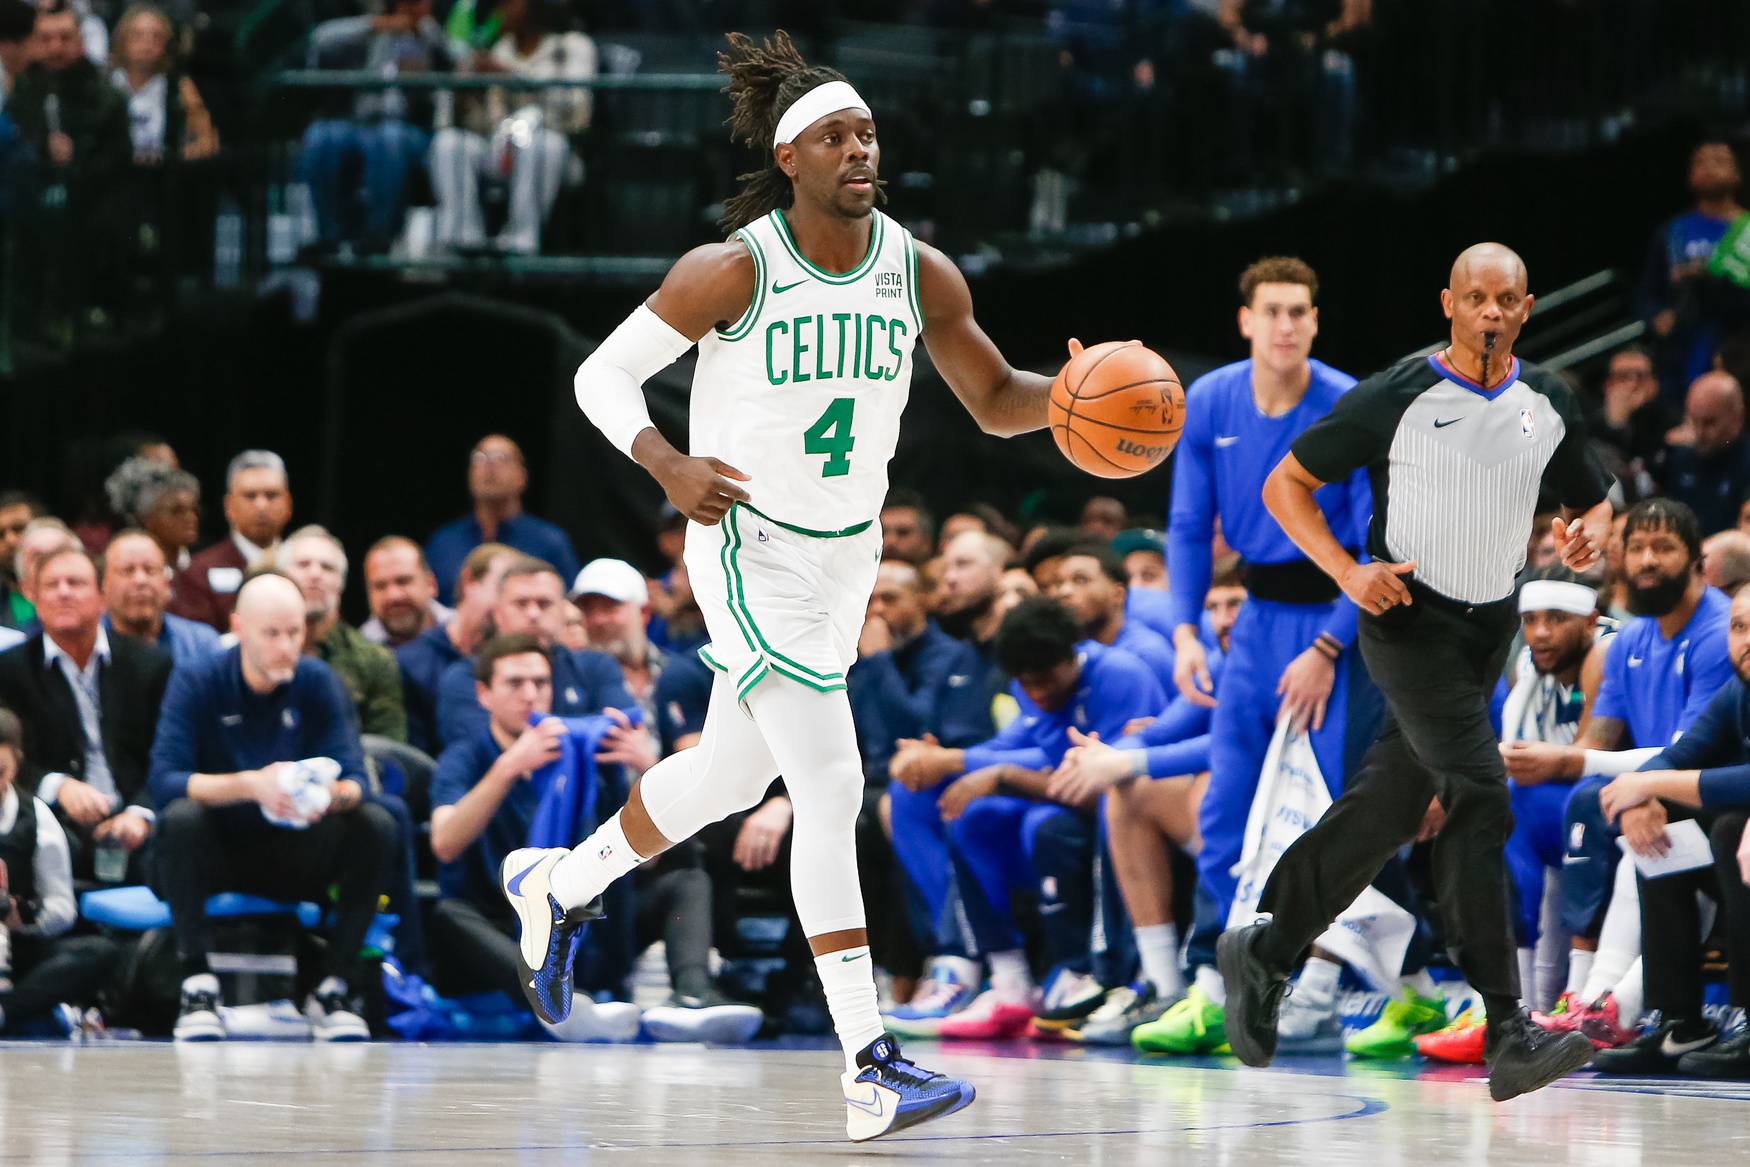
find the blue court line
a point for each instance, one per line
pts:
(1367, 1108)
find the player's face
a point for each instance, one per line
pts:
(1052, 689)
(521, 685)
(1659, 568)
(1281, 323)
(1083, 587)
(1738, 635)
(834, 163)
(1558, 640)
(1223, 606)
(1490, 297)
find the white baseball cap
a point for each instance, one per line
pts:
(614, 578)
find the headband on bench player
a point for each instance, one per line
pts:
(1555, 595)
(814, 105)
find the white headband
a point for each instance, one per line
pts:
(1554, 595)
(814, 105)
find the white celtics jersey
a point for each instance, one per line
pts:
(804, 392)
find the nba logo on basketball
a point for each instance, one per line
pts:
(1526, 426)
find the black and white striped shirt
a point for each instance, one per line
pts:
(1456, 469)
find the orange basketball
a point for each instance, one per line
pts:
(1116, 409)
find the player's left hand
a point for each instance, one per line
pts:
(626, 744)
(1305, 688)
(1623, 792)
(1644, 828)
(965, 790)
(1582, 541)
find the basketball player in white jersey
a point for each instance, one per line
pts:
(805, 321)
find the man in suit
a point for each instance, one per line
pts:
(258, 505)
(89, 704)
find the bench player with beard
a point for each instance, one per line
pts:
(805, 320)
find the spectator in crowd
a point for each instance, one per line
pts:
(17, 509)
(520, 135)
(37, 910)
(424, 659)
(1102, 518)
(1725, 561)
(497, 478)
(998, 807)
(315, 561)
(136, 589)
(1144, 555)
(1705, 776)
(1707, 466)
(89, 705)
(258, 506)
(574, 633)
(1092, 585)
(41, 537)
(482, 808)
(968, 607)
(958, 524)
(1631, 416)
(908, 529)
(231, 735)
(1674, 293)
(162, 501)
(614, 598)
(78, 125)
(17, 24)
(529, 598)
(378, 147)
(402, 593)
(141, 67)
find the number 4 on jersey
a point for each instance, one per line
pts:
(831, 435)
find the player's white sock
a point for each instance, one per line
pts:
(1157, 945)
(1528, 977)
(1630, 994)
(1579, 969)
(1208, 979)
(849, 980)
(1009, 974)
(1317, 983)
(593, 864)
(1420, 983)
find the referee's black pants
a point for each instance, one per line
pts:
(1436, 663)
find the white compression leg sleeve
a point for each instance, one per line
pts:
(1619, 939)
(729, 770)
(610, 383)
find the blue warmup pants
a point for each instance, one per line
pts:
(1265, 639)
(1002, 843)
(1539, 818)
(384, 153)
(1589, 864)
(920, 843)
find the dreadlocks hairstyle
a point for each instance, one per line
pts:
(765, 79)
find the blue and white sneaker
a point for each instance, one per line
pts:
(889, 1093)
(550, 934)
(950, 988)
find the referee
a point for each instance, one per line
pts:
(1457, 447)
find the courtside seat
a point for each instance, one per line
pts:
(136, 909)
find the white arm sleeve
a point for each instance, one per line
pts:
(610, 383)
(1610, 763)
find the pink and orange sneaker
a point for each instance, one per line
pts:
(1460, 1043)
(1565, 1017)
(1603, 1027)
(993, 1016)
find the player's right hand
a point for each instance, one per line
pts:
(703, 489)
(1191, 671)
(1376, 586)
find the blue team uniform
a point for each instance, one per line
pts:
(1227, 449)
(1657, 687)
(1002, 841)
(1539, 811)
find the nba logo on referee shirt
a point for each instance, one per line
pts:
(1526, 425)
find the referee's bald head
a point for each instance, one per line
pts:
(1479, 258)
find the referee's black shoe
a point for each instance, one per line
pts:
(1523, 1056)
(1254, 995)
(1660, 1047)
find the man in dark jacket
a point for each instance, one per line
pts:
(78, 125)
(89, 704)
